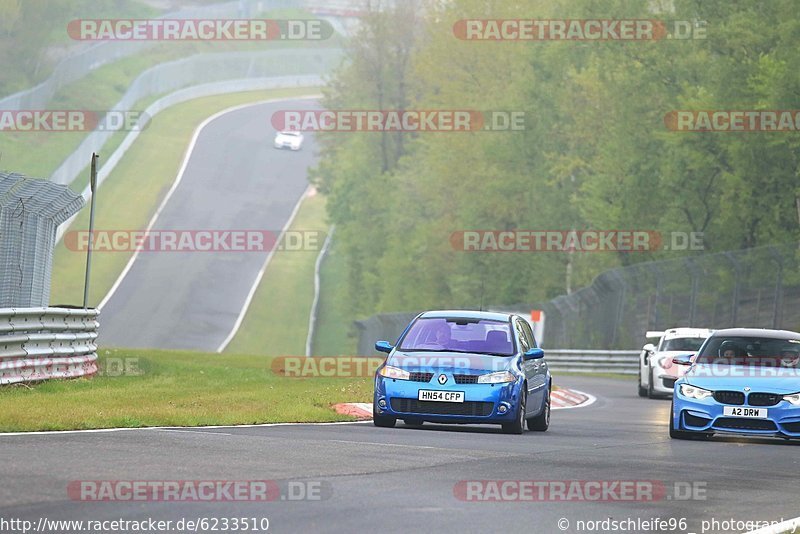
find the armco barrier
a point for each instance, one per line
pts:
(89, 57)
(43, 343)
(227, 72)
(624, 362)
(184, 95)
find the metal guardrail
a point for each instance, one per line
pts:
(312, 317)
(225, 71)
(624, 362)
(178, 97)
(85, 59)
(44, 343)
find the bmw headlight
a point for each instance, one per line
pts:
(394, 372)
(694, 392)
(501, 377)
(794, 399)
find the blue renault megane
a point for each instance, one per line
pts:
(464, 367)
(742, 381)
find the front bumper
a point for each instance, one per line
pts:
(287, 145)
(664, 384)
(664, 378)
(483, 403)
(707, 416)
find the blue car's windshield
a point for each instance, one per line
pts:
(751, 351)
(459, 335)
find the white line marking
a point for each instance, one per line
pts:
(385, 444)
(179, 177)
(151, 428)
(257, 281)
(193, 431)
(590, 399)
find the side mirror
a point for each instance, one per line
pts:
(533, 354)
(383, 346)
(649, 348)
(683, 359)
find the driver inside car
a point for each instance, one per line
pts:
(790, 357)
(443, 336)
(729, 350)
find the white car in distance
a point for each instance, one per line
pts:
(657, 373)
(289, 139)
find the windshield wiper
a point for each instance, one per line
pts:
(456, 351)
(437, 350)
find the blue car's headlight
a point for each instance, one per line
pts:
(694, 392)
(387, 371)
(794, 399)
(501, 377)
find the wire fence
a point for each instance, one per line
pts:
(756, 287)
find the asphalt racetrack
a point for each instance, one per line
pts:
(234, 180)
(367, 479)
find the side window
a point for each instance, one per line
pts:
(526, 327)
(523, 338)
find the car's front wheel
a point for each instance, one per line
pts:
(642, 389)
(651, 392)
(518, 426)
(541, 422)
(382, 420)
(674, 433)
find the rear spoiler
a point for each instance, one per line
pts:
(653, 333)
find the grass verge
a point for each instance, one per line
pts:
(334, 334)
(131, 194)
(277, 322)
(177, 388)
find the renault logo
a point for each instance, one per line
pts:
(442, 379)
